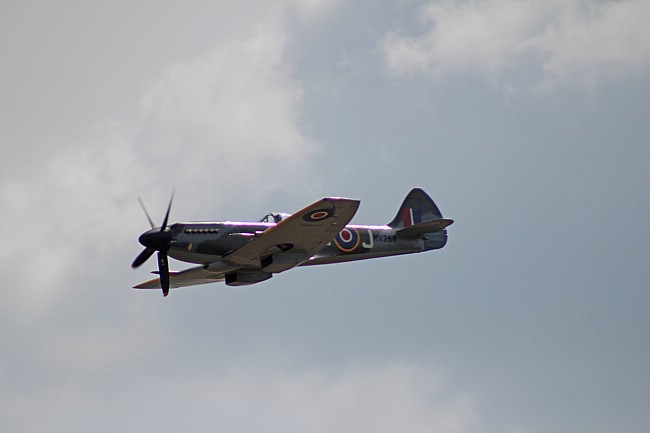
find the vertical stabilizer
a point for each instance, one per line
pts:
(417, 208)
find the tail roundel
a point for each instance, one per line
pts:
(417, 208)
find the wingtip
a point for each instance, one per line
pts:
(151, 284)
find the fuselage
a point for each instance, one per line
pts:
(210, 242)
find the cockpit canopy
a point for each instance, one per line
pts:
(275, 217)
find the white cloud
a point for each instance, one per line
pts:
(564, 42)
(64, 216)
(587, 45)
(466, 35)
(225, 124)
(230, 118)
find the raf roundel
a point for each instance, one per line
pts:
(318, 215)
(347, 240)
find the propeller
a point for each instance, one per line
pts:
(156, 239)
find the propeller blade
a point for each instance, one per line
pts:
(156, 240)
(142, 257)
(164, 224)
(146, 213)
(163, 269)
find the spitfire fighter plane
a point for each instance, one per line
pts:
(243, 253)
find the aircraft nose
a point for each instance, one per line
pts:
(156, 239)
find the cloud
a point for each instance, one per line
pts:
(64, 212)
(230, 117)
(380, 399)
(465, 35)
(549, 43)
(313, 8)
(225, 124)
(604, 41)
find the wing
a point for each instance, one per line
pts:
(294, 239)
(188, 277)
(299, 236)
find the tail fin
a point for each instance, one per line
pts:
(416, 209)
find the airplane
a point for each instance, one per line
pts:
(249, 252)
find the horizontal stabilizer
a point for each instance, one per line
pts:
(432, 226)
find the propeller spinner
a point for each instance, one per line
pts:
(156, 239)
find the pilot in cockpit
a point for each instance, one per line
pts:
(273, 217)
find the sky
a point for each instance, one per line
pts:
(526, 122)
